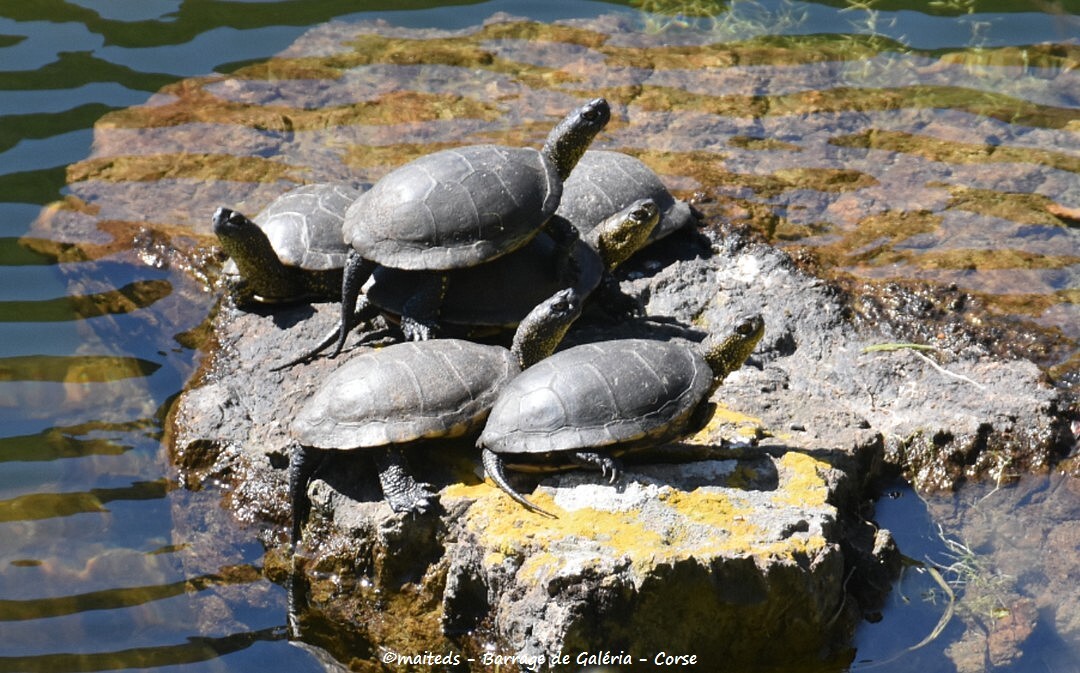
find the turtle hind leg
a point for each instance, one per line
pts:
(493, 467)
(402, 492)
(357, 271)
(302, 464)
(608, 465)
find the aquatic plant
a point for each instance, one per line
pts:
(983, 590)
(721, 22)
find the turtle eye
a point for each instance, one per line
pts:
(745, 328)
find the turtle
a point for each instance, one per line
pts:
(386, 400)
(590, 402)
(292, 250)
(493, 297)
(457, 208)
(500, 293)
(603, 182)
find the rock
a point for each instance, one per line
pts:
(662, 562)
(752, 526)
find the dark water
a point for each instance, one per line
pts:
(104, 559)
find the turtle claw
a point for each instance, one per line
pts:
(609, 467)
(403, 493)
(418, 498)
(415, 330)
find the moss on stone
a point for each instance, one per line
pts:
(722, 420)
(984, 259)
(872, 241)
(1054, 57)
(801, 480)
(194, 102)
(762, 144)
(389, 156)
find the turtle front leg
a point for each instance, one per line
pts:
(239, 290)
(566, 236)
(615, 304)
(420, 314)
(403, 493)
(607, 464)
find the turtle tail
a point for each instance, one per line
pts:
(493, 466)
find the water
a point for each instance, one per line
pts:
(107, 563)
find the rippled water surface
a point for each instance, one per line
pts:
(893, 143)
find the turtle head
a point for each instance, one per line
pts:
(625, 232)
(726, 351)
(573, 135)
(249, 248)
(238, 235)
(540, 332)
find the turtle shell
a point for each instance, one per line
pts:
(304, 225)
(499, 293)
(596, 395)
(454, 208)
(405, 392)
(603, 183)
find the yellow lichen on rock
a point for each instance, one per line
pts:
(508, 528)
(645, 521)
(725, 417)
(801, 480)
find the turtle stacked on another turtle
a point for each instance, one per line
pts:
(498, 294)
(459, 208)
(605, 182)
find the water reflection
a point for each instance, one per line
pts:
(195, 650)
(112, 599)
(66, 442)
(75, 369)
(46, 505)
